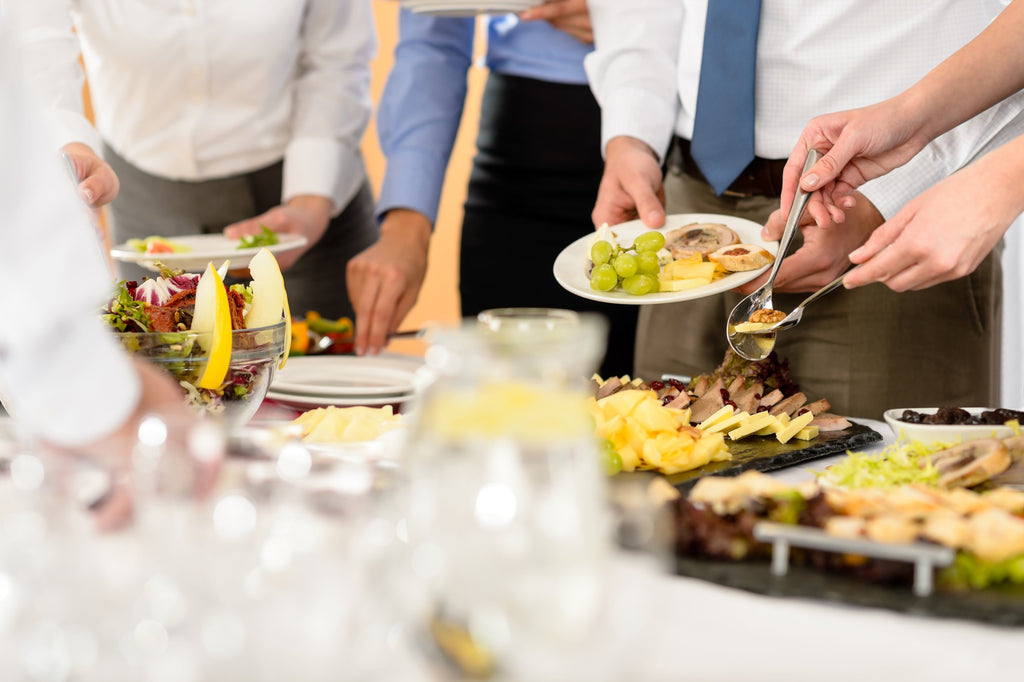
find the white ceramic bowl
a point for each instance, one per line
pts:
(929, 434)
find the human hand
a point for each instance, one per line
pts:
(160, 396)
(384, 280)
(856, 146)
(631, 186)
(824, 254)
(945, 232)
(98, 184)
(307, 215)
(570, 16)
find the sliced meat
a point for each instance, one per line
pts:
(708, 404)
(748, 399)
(772, 398)
(971, 463)
(735, 386)
(680, 401)
(826, 422)
(818, 406)
(701, 385)
(790, 405)
(162, 319)
(237, 306)
(607, 388)
(699, 238)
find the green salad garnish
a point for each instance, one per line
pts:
(266, 237)
(898, 464)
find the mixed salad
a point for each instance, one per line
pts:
(153, 319)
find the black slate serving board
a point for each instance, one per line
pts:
(995, 605)
(766, 453)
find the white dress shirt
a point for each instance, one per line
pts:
(201, 89)
(61, 372)
(813, 57)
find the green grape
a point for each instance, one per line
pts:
(603, 277)
(601, 252)
(647, 263)
(625, 264)
(610, 458)
(651, 241)
(638, 285)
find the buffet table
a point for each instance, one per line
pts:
(653, 626)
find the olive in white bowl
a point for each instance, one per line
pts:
(931, 425)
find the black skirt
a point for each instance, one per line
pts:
(531, 192)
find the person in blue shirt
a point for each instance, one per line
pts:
(534, 178)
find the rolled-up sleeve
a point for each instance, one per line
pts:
(332, 102)
(421, 108)
(633, 70)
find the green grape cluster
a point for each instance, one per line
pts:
(635, 268)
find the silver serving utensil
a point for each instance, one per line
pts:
(758, 347)
(793, 319)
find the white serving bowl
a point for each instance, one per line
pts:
(929, 434)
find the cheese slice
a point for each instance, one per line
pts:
(794, 427)
(728, 423)
(724, 412)
(807, 433)
(755, 423)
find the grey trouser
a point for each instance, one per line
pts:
(865, 350)
(150, 205)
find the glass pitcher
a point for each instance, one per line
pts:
(507, 517)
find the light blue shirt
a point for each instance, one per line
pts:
(420, 109)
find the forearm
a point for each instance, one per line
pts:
(420, 109)
(983, 72)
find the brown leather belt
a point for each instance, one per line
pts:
(763, 177)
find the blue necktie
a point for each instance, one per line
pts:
(723, 127)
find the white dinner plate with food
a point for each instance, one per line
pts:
(571, 265)
(348, 376)
(203, 249)
(299, 401)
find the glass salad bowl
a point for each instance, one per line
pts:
(255, 354)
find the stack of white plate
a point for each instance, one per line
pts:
(465, 8)
(312, 381)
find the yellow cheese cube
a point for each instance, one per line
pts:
(683, 284)
(754, 423)
(728, 423)
(807, 433)
(724, 412)
(681, 270)
(794, 427)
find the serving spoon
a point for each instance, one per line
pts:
(793, 319)
(757, 347)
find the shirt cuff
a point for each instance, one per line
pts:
(313, 165)
(75, 390)
(413, 180)
(65, 127)
(641, 114)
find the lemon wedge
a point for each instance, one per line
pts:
(213, 316)
(269, 298)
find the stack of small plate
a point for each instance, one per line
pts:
(465, 8)
(312, 381)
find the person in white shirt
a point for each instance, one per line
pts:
(63, 376)
(864, 350)
(945, 232)
(221, 115)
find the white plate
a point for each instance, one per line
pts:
(205, 248)
(308, 402)
(348, 376)
(570, 266)
(950, 434)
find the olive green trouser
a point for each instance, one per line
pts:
(865, 350)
